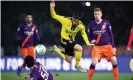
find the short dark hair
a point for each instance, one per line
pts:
(29, 61)
(28, 14)
(98, 9)
(77, 15)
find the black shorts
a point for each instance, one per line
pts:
(68, 46)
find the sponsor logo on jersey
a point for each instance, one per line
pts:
(99, 32)
(28, 32)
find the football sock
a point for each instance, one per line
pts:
(78, 56)
(60, 53)
(115, 72)
(91, 71)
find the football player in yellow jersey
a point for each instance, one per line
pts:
(70, 27)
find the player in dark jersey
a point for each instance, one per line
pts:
(100, 34)
(38, 71)
(27, 36)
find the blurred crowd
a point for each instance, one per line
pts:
(12, 13)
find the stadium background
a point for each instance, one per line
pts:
(120, 15)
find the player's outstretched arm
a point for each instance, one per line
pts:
(84, 35)
(53, 13)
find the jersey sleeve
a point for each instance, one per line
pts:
(36, 37)
(110, 33)
(89, 32)
(130, 38)
(84, 35)
(19, 33)
(59, 18)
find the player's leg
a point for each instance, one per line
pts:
(92, 68)
(66, 55)
(31, 52)
(72, 49)
(24, 54)
(78, 56)
(57, 50)
(68, 58)
(115, 67)
(96, 55)
(66, 45)
(110, 56)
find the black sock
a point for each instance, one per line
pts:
(115, 66)
(92, 66)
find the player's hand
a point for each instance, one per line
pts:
(52, 4)
(128, 49)
(26, 77)
(93, 41)
(114, 49)
(91, 45)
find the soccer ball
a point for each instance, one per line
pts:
(40, 49)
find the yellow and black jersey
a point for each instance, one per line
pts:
(68, 32)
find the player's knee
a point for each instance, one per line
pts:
(114, 60)
(80, 49)
(94, 62)
(69, 59)
(77, 47)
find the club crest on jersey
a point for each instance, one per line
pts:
(66, 30)
(29, 33)
(70, 32)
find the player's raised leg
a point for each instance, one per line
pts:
(57, 50)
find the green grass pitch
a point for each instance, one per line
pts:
(71, 76)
